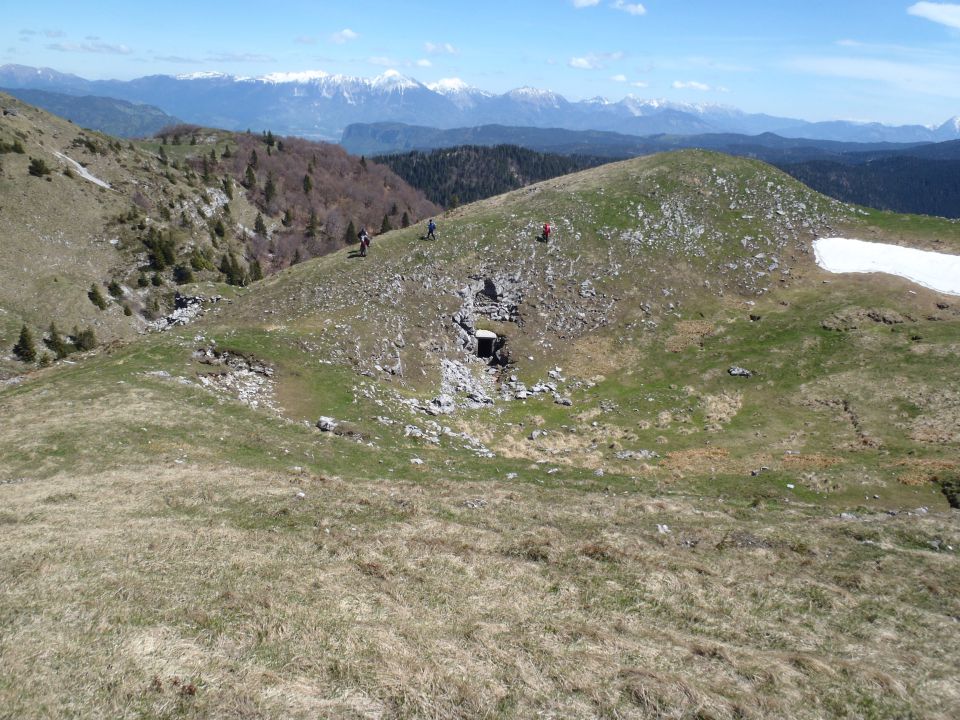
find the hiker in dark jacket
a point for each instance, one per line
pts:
(431, 230)
(364, 241)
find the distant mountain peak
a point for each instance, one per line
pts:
(535, 95)
(304, 76)
(394, 80)
(204, 75)
(451, 86)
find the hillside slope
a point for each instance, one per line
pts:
(103, 114)
(611, 524)
(84, 210)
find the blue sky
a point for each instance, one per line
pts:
(893, 61)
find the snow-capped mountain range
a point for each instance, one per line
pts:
(320, 105)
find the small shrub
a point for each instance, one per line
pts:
(85, 339)
(56, 343)
(114, 289)
(156, 280)
(38, 168)
(142, 280)
(182, 274)
(96, 297)
(127, 310)
(950, 487)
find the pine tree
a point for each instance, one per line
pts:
(163, 153)
(312, 224)
(25, 349)
(296, 257)
(270, 189)
(405, 220)
(250, 178)
(307, 184)
(57, 343)
(256, 272)
(287, 220)
(385, 226)
(350, 236)
(259, 226)
(226, 152)
(252, 162)
(228, 188)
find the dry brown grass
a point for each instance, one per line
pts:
(918, 472)
(210, 591)
(811, 461)
(687, 334)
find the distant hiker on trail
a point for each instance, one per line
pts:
(546, 232)
(364, 241)
(431, 230)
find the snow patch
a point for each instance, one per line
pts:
(294, 77)
(82, 171)
(937, 271)
(203, 75)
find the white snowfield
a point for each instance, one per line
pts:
(82, 171)
(937, 271)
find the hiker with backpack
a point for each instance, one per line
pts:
(431, 230)
(546, 232)
(364, 241)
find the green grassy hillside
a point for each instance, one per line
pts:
(609, 525)
(84, 210)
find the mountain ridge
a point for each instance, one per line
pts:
(318, 104)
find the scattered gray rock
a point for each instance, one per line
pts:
(737, 371)
(327, 424)
(637, 455)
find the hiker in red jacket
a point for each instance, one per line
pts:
(546, 232)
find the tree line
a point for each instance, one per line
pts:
(463, 174)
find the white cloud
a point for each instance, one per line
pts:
(343, 36)
(584, 63)
(230, 57)
(585, 3)
(424, 62)
(943, 13)
(632, 8)
(619, 78)
(440, 48)
(640, 84)
(594, 61)
(92, 47)
(689, 85)
(941, 80)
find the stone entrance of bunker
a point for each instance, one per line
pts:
(490, 346)
(486, 343)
